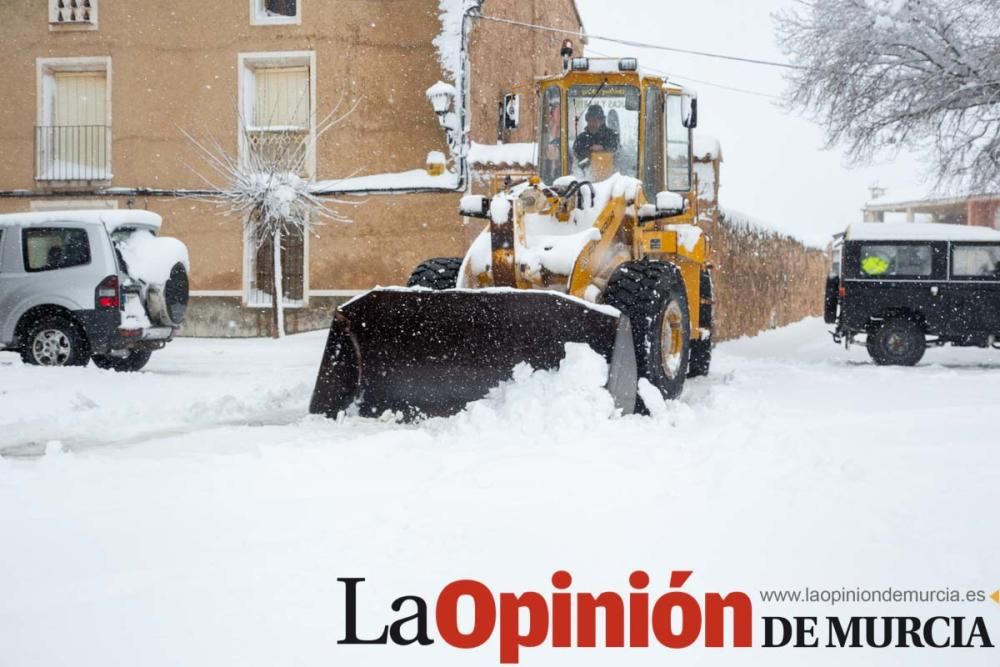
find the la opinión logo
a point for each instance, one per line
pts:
(673, 619)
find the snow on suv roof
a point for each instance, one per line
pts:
(918, 231)
(112, 219)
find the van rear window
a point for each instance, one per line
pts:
(50, 248)
(976, 261)
(905, 261)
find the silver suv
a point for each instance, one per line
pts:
(82, 285)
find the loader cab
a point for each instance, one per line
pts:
(604, 117)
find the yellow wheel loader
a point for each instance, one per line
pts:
(600, 247)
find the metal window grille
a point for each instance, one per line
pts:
(72, 152)
(72, 11)
(292, 270)
(281, 7)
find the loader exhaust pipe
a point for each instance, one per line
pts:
(428, 354)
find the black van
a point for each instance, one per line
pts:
(910, 286)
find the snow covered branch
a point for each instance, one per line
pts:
(883, 74)
(265, 183)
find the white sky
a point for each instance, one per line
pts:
(775, 166)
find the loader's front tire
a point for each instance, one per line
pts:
(437, 274)
(652, 294)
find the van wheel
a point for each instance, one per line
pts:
(135, 361)
(898, 342)
(55, 341)
(652, 294)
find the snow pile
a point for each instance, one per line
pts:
(134, 313)
(514, 154)
(217, 535)
(557, 400)
(151, 258)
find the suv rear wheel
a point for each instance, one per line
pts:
(898, 342)
(55, 341)
(135, 361)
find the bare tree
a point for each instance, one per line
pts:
(265, 187)
(884, 74)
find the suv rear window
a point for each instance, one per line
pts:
(50, 248)
(909, 261)
(976, 261)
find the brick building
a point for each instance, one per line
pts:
(97, 95)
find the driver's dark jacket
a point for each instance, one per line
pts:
(605, 137)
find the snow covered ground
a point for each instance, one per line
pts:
(195, 514)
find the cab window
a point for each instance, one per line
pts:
(652, 160)
(976, 262)
(678, 146)
(51, 248)
(551, 145)
(604, 119)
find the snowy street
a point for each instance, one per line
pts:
(195, 514)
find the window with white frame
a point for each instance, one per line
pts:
(80, 14)
(277, 103)
(275, 12)
(73, 134)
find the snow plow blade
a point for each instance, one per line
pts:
(428, 354)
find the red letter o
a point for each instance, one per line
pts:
(447, 614)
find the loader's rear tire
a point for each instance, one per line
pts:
(437, 274)
(700, 361)
(652, 294)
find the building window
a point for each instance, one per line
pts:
(73, 135)
(72, 14)
(279, 126)
(277, 103)
(275, 12)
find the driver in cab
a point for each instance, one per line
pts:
(596, 137)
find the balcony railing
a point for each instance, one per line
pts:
(72, 153)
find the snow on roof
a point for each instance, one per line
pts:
(706, 147)
(415, 179)
(917, 231)
(502, 154)
(112, 219)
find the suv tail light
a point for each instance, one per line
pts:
(107, 293)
